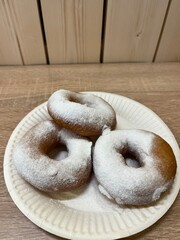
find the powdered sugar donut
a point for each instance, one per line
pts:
(36, 167)
(85, 114)
(152, 172)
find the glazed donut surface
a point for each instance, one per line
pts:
(85, 114)
(133, 167)
(36, 167)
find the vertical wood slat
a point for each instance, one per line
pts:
(169, 46)
(26, 21)
(132, 29)
(73, 30)
(9, 50)
(26, 36)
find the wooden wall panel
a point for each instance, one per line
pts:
(26, 21)
(169, 47)
(21, 39)
(9, 50)
(73, 30)
(132, 29)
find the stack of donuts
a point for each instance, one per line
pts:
(132, 167)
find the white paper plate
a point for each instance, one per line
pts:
(85, 214)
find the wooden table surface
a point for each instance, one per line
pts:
(22, 88)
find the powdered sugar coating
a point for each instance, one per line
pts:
(36, 167)
(86, 114)
(128, 185)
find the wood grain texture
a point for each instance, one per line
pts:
(73, 30)
(26, 23)
(9, 50)
(22, 88)
(132, 29)
(21, 38)
(169, 47)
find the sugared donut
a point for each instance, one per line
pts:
(36, 167)
(140, 183)
(85, 114)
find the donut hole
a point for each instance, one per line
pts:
(76, 100)
(73, 99)
(131, 159)
(58, 153)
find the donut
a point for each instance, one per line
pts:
(133, 167)
(32, 161)
(82, 113)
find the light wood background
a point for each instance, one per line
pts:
(73, 30)
(88, 31)
(20, 33)
(133, 29)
